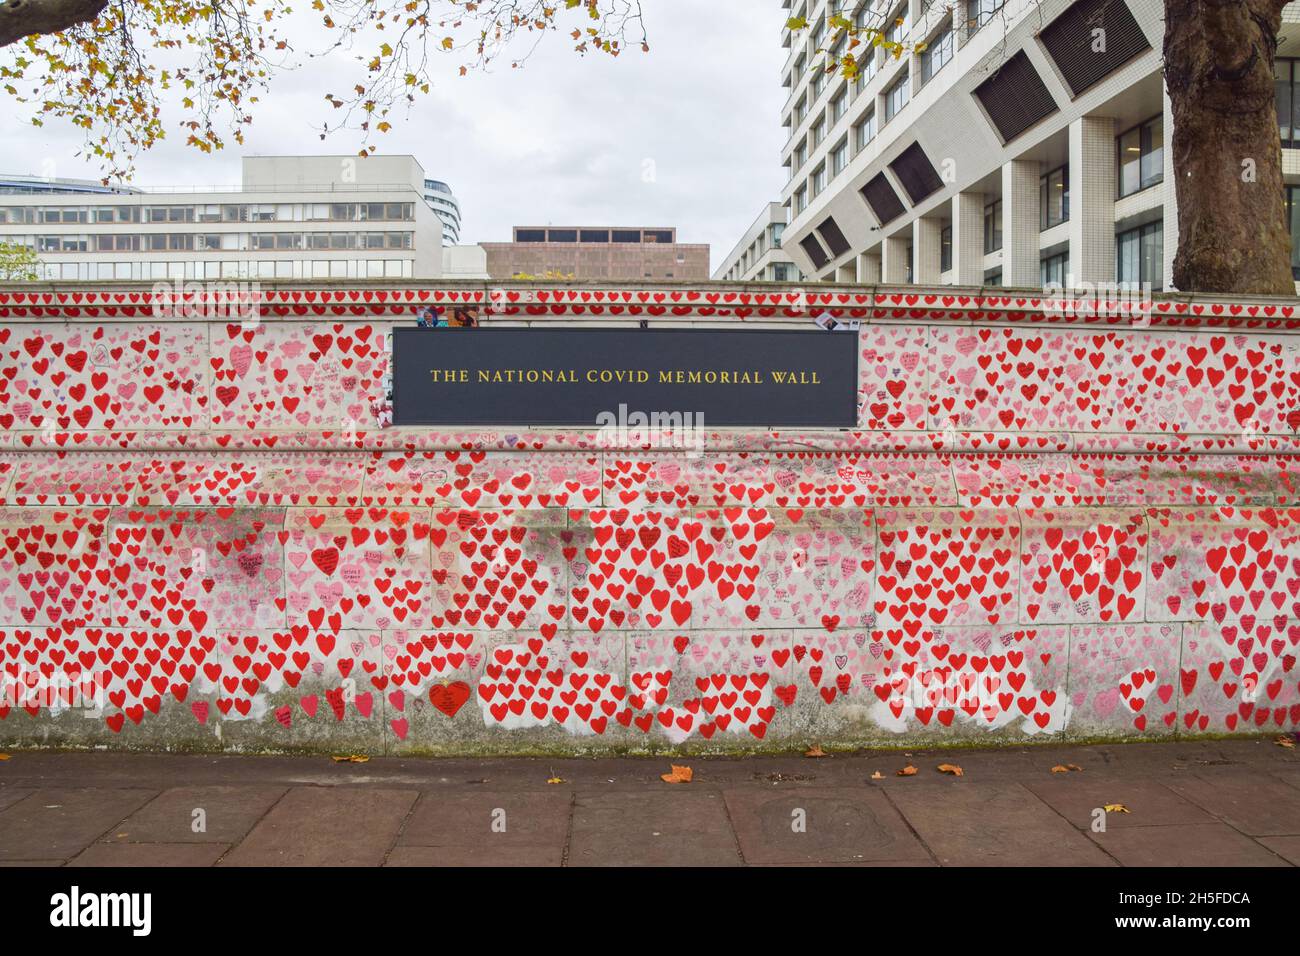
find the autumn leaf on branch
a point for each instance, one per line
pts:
(131, 72)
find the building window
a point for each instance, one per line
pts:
(896, 32)
(800, 157)
(865, 131)
(801, 200)
(1288, 102)
(818, 180)
(1053, 269)
(819, 133)
(838, 106)
(1054, 198)
(780, 272)
(945, 249)
(993, 227)
(993, 277)
(778, 230)
(896, 97)
(840, 158)
(1141, 255)
(1142, 157)
(936, 54)
(979, 13)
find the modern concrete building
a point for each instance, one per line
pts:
(464, 262)
(447, 207)
(597, 252)
(760, 255)
(22, 185)
(1023, 144)
(294, 217)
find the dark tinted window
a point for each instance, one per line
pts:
(1015, 97)
(1071, 39)
(917, 174)
(882, 199)
(815, 251)
(833, 236)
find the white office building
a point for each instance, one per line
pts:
(447, 207)
(293, 217)
(760, 255)
(1017, 142)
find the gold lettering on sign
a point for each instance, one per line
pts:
(606, 376)
(796, 378)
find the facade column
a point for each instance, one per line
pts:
(926, 250)
(869, 268)
(1020, 224)
(968, 238)
(894, 260)
(1169, 190)
(1092, 200)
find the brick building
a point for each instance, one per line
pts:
(597, 253)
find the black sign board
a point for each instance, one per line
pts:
(573, 376)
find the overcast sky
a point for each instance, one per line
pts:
(566, 140)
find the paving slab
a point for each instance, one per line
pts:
(1077, 796)
(326, 826)
(1198, 844)
(825, 825)
(59, 823)
(228, 814)
(149, 854)
(23, 863)
(489, 820)
(965, 823)
(11, 795)
(1287, 847)
(475, 856)
(661, 827)
(1257, 804)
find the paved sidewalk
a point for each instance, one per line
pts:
(1232, 803)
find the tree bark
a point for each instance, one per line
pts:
(1232, 229)
(22, 18)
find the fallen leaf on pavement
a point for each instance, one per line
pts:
(816, 751)
(678, 775)
(555, 780)
(877, 776)
(4, 756)
(350, 758)
(1115, 808)
(951, 768)
(1281, 742)
(1066, 768)
(908, 771)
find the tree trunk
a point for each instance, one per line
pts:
(1232, 229)
(22, 18)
